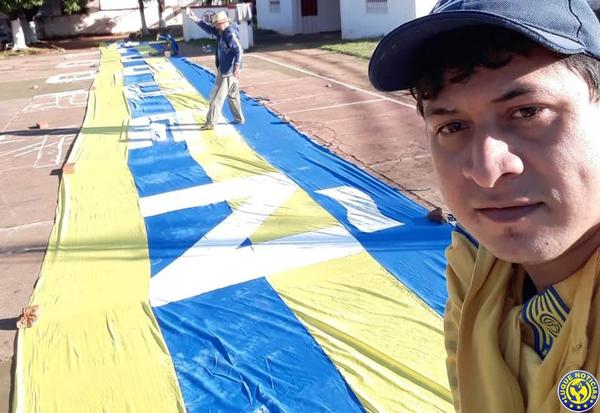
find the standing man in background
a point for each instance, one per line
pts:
(228, 57)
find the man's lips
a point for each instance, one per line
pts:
(508, 213)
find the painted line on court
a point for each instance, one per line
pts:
(276, 81)
(335, 106)
(399, 102)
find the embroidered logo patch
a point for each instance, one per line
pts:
(545, 313)
(578, 391)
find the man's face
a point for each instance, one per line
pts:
(220, 26)
(517, 154)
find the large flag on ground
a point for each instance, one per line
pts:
(244, 269)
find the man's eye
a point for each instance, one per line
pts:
(451, 127)
(526, 112)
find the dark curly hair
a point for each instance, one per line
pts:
(455, 55)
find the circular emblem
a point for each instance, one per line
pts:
(207, 16)
(578, 391)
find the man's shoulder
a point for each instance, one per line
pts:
(461, 256)
(232, 29)
(461, 233)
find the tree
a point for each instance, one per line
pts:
(144, 25)
(161, 9)
(18, 11)
(73, 6)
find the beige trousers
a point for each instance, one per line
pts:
(225, 87)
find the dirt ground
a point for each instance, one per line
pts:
(324, 94)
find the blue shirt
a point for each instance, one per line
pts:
(229, 50)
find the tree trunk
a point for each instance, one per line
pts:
(144, 25)
(161, 9)
(18, 34)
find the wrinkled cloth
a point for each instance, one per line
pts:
(243, 12)
(493, 365)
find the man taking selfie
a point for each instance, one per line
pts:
(509, 91)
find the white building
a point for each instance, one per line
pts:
(108, 17)
(356, 19)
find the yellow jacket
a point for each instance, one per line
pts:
(491, 339)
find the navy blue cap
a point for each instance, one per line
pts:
(564, 26)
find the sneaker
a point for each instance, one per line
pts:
(206, 126)
(238, 122)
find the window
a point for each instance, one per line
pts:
(309, 8)
(274, 6)
(377, 6)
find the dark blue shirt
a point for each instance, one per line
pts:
(229, 50)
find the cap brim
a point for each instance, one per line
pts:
(392, 66)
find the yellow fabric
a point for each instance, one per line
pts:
(294, 217)
(96, 346)
(388, 346)
(491, 364)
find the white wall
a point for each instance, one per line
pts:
(357, 23)
(282, 22)
(289, 21)
(105, 22)
(133, 4)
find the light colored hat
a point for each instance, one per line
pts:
(219, 17)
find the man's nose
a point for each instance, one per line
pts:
(490, 159)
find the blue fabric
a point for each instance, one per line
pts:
(149, 88)
(129, 52)
(132, 63)
(135, 79)
(146, 105)
(414, 252)
(164, 168)
(149, 105)
(172, 234)
(240, 349)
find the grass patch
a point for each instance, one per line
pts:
(263, 32)
(362, 48)
(31, 50)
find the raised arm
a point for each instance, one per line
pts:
(204, 26)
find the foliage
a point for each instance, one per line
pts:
(73, 6)
(15, 8)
